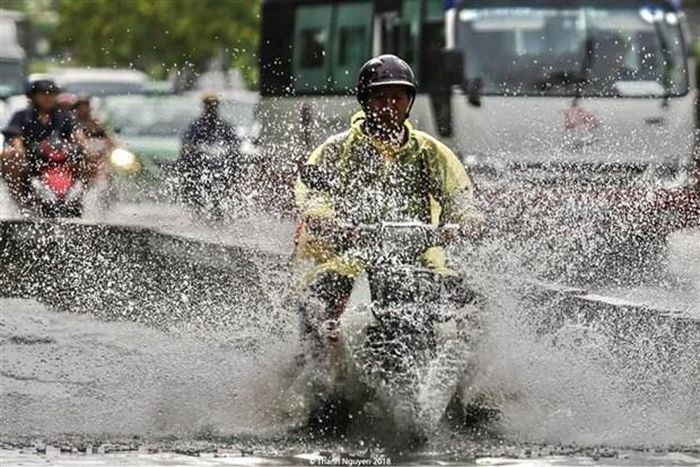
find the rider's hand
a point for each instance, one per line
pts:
(7, 153)
(322, 226)
(328, 228)
(18, 145)
(469, 231)
(13, 154)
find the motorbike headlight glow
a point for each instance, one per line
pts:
(123, 159)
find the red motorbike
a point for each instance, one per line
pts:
(56, 188)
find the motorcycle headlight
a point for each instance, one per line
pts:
(124, 160)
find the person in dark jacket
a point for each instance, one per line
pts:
(209, 134)
(41, 120)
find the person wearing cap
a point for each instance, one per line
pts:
(208, 128)
(42, 119)
(416, 176)
(98, 136)
(91, 126)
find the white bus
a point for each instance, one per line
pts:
(541, 99)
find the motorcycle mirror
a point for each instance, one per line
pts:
(474, 88)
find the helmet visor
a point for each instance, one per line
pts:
(402, 82)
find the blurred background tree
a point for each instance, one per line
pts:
(160, 37)
(164, 38)
(37, 25)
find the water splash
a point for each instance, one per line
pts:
(588, 382)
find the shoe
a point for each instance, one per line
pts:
(330, 330)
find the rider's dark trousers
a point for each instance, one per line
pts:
(325, 299)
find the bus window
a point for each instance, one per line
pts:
(434, 10)
(310, 64)
(410, 33)
(389, 24)
(313, 48)
(433, 42)
(351, 42)
(568, 50)
(400, 32)
(353, 38)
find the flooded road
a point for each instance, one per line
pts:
(197, 393)
(124, 393)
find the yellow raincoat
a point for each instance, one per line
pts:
(421, 180)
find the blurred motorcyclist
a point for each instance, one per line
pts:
(210, 158)
(42, 119)
(94, 130)
(91, 126)
(101, 141)
(209, 128)
(379, 170)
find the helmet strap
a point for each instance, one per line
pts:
(410, 106)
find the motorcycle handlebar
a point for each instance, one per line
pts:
(399, 225)
(404, 236)
(433, 233)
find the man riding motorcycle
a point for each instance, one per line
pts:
(207, 132)
(42, 120)
(101, 141)
(379, 170)
(209, 128)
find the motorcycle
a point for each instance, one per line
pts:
(209, 176)
(402, 357)
(56, 189)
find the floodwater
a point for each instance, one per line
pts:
(78, 390)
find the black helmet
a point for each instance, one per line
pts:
(382, 71)
(44, 86)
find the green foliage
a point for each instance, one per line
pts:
(40, 66)
(159, 36)
(17, 5)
